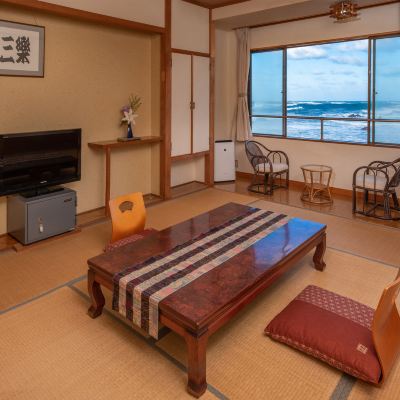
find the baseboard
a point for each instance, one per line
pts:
(300, 185)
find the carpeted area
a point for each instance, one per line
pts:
(243, 363)
(51, 349)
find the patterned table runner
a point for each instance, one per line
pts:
(139, 289)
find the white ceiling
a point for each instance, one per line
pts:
(298, 10)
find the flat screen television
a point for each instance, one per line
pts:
(35, 160)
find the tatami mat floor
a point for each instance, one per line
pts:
(50, 348)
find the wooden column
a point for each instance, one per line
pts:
(165, 148)
(209, 159)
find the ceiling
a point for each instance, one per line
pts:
(277, 14)
(215, 3)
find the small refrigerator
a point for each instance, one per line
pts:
(224, 161)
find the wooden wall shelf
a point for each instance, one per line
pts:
(112, 144)
(108, 145)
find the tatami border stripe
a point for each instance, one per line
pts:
(71, 282)
(343, 388)
(151, 342)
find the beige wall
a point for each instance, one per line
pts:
(248, 7)
(343, 158)
(89, 73)
(144, 11)
(189, 27)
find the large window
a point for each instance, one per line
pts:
(337, 92)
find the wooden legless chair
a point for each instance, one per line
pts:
(386, 328)
(128, 216)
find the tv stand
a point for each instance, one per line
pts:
(41, 191)
(34, 218)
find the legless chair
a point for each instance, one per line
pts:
(128, 217)
(344, 333)
(386, 328)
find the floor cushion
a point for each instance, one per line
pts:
(332, 328)
(129, 239)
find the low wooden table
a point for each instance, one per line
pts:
(202, 307)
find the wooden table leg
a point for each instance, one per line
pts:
(96, 295)
(197, 347)
(319, 254)
(108, 180)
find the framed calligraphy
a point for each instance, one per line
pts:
(21, 49)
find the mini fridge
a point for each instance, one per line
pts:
(224, 161)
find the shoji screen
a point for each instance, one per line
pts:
(201, 99)
(181, 98)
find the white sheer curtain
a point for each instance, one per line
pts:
(242, 125)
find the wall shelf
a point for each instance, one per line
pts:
(107, 145)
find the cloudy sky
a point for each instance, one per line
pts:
(329, 72)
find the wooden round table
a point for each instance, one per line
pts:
(317, 179)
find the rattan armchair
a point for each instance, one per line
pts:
(271, 168)
(380, 180)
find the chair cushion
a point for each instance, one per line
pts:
(332, 328)
(276, 167)
(370, 182)
(129, 239)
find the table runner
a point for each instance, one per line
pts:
(139, 288)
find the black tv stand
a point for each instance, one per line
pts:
(41, 191)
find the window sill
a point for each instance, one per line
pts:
(392, 146)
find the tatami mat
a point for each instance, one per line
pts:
(50, 349)
(244, 364)
(373, 241)
(174, 211)
(39, 269)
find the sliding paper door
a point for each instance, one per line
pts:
(181, 98)
(201, 99)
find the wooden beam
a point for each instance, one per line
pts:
(84, 15)
(166, 81)
(211, 7)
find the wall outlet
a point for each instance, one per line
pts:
(236, 164)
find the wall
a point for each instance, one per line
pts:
(144, 11)
(343, 158)
(89, 73)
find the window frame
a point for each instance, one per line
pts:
(370, 120)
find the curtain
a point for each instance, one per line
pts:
(242, 120)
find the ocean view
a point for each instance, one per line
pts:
(343, 131)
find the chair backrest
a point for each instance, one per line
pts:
(395, 179)
(255, 153)
(128, 215)
(386, 328)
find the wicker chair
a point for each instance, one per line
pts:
(379, 178)
(268, 165)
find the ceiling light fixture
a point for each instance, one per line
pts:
(344, 11)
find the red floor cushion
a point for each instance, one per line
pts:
(332, 328)
(129, 239)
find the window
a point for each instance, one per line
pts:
(326, 92)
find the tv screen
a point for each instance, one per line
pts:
(29, 161)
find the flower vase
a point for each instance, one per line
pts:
(130, 132)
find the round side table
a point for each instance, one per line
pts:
(317, 179)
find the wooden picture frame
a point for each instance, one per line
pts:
(21, 49)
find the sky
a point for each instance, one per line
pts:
(328, 72)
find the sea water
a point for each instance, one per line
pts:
(340, 131)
